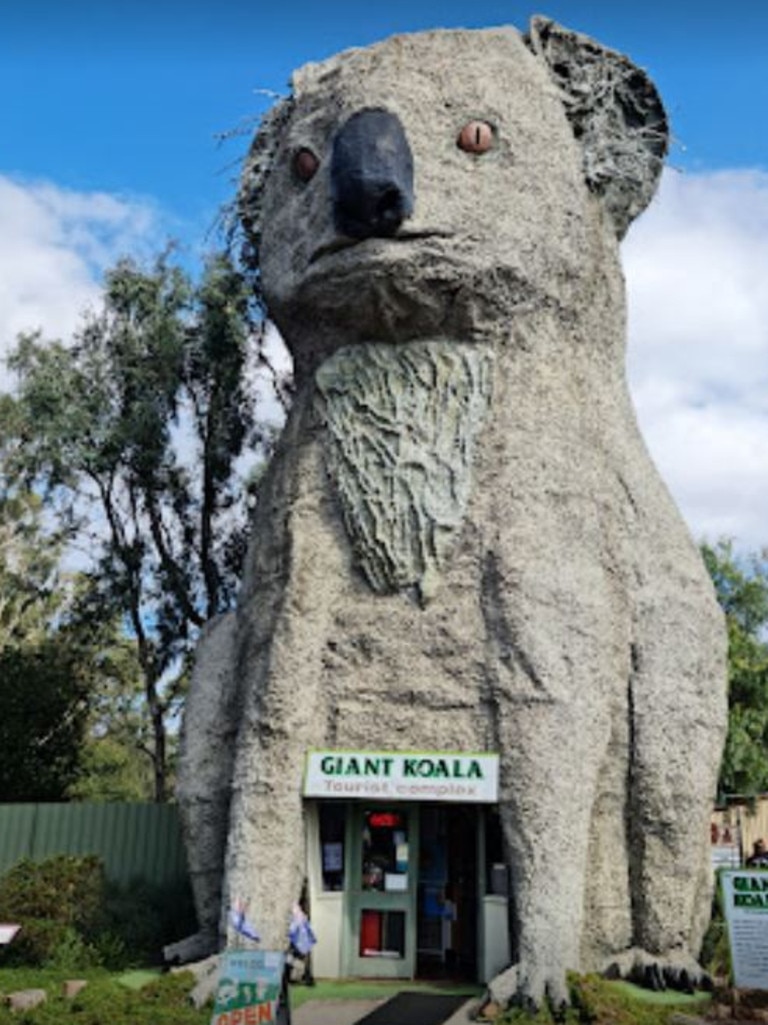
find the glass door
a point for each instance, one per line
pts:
(381, 894)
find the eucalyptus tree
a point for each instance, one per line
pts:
(741, 583)
(134, 433)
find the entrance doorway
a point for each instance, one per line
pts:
(381, 896)
(447, 920)
(412, 891)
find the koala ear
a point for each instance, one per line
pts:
(615, 113)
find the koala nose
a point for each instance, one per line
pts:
(371, 175)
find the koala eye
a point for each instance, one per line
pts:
(305, 164)
(476, 137)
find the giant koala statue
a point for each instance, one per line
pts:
(461, 542)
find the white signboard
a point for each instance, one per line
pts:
(403, 775)
(250, 984)
(745, 897)
(7, 932)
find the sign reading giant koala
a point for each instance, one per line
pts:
(461, 542)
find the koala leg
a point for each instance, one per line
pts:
(560, 664)
(204, 779)
(677, 721)
(552, 755)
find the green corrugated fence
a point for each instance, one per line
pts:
(135, 841)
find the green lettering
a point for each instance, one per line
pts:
(426, 768)
(748, 900)
(353, 769)
(371, 767)
(328, 765)
(440, 769)
(474, 771)
(409, 767)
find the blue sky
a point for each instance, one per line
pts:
(128, 97)
(108, 146)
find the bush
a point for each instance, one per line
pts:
(60, 906)
(71, 918)
(64, 889)
(140, 919)
(46, 944)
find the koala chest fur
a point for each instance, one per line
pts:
(461, 543)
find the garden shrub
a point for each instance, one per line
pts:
(72, 918)
(59, 903)
(65, 888)
(141, 919)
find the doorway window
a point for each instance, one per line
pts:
(385, 851)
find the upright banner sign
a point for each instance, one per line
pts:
(250, 983)
(403, 775)
(745, 897)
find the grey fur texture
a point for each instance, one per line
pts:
(571, 624)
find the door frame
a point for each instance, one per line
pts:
(356, 898)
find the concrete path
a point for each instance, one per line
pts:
(334, 1012)
(348, 1012)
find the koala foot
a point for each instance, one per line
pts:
(674, 969)
(197, 947)
(531, 986)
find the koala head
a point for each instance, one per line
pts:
(434, 183)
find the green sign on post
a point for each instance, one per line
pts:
(250, 987)
(745, 900)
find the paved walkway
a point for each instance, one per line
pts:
(333, 1012)
(348, 1012)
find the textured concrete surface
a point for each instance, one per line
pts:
(492, 565)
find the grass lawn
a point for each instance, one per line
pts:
(106, 1000)
(147, 998)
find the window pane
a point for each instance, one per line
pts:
(385, 851)
(382, 933)
(332, 818)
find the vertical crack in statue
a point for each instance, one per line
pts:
(461, 542)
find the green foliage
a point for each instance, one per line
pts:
(59, 903)
(140, 920)
(742, 590)
(137, 425)
(44, 691)
(45, 660)
(110, 769)
(72, 918)
(715, 954)
(31, 592)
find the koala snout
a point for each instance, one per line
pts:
(371, 175)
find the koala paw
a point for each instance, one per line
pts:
(530, 985)
(672, 969)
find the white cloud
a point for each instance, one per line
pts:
(54, 246)
(697, 277)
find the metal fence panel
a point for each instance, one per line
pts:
(135, 841)
(17, 825)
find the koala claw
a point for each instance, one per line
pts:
(674, 969)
